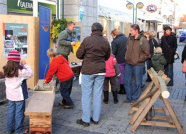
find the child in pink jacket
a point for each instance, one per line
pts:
(112, 72)
(16, 74)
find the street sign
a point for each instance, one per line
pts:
(152, 8)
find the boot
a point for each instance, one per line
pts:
(122, 90)
(106, 97)
(115, 96)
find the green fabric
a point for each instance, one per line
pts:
(64, 42)
(158, 62)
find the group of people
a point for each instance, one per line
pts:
(120, 64)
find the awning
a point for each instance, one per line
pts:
(177, 27)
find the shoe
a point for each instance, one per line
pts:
(148, 80)
(122, 89)
(127, 101)
(95, 122)
(68, 106)
(142, 86)
(115, 96)
(106, 97)
(61, 103)
(81, 122)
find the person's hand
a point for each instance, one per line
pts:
(44, 83)
(23, 62)
(73, 43)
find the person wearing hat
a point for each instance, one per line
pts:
(16, 73)
(94, 51)
(169, 46)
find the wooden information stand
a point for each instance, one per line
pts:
(40, 108)
(157, 89)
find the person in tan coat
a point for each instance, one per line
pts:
(137, 52)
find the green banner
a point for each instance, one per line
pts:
(26, 6)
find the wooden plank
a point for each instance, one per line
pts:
(164, 118)
(140, 110)
(133, 109)
(157, 124)
(158, 110)
(173, 116)
(146, 110)
(40, 103)
(164, 91)
(40, 130)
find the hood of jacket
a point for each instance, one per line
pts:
(156, 57)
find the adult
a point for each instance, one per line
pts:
(118, 50)
(153, 44)
(169, 46)
(183, 54)
(137, 52)
(65, 41)
(94, 51)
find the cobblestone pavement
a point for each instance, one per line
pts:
(114, 117)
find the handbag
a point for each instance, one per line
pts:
(184, 67)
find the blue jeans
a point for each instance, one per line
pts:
(16, 116)
(169, 73)
(137, 71)
(91, 83)
(65, 90)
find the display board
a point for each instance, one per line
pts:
(29, 27)
(15, 37)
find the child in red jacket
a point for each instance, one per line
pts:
(112, 72)
(60, 67)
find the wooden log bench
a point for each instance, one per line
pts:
(39, 110)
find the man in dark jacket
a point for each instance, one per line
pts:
(94, 51)
(183, 55)
(137, 52)
(65, 41)
(118, 50)
(169, 46)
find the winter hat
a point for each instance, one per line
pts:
(167, 27)
(97, 27)
(14, 56)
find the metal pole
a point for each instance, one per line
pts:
(57, 9)
(136, 13)
(133, 13)
(63, 9)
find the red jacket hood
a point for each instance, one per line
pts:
(60, 60)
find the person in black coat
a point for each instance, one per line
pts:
(169, 46)
(153, 44)
(118, 50)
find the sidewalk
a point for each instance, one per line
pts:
(114, 117)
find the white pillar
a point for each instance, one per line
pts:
(35, 8)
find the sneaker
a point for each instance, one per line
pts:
(95, 122)
(61, 103)
(81, 122)
(68, 106)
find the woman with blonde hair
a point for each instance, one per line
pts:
(118, 50)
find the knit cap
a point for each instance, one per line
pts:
(14, 56)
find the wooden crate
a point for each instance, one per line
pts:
(39, 110)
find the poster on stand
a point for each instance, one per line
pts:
(15, 38)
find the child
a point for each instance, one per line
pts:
(111, 72)
(158, 60)
(61, 68)
(16, 91)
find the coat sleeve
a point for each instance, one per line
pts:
(183, 55)
(81, 50)
(107, 56)
(63, 39)
(51, 71)
(26, 73)
(114, 48)
(146, 51)
(175, 44)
